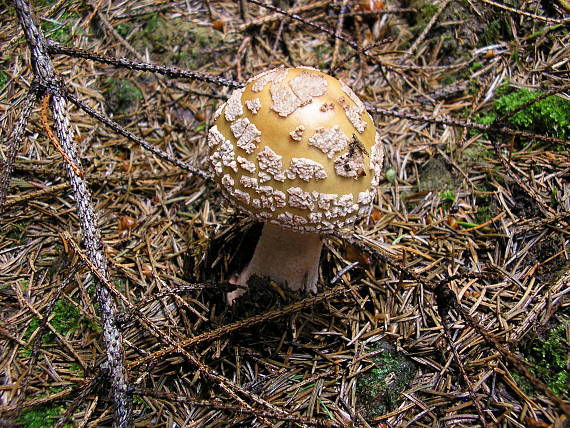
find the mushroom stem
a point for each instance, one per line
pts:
(286, 256)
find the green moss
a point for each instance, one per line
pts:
(523, 383)
(32, 326)
(426, 10)
(492, 32)
(93, 326)
(435, 175)
(4, 77)
(122, 95)
(497, 27)
(550, 115)
(476, 66)
(25, 352)
(140, 402)
(515, 57)
(450, 46)
(24, 284)
(41, 417)
(16, 232)
(448, 79)
(477, 152)
(178, 42)
(123, 29)
(550, 358)
(63, 29)
(152, 23)
(120, 284)
(448, 196)
(484, 211)
(379, 388)
(76, 367)
(66, 317)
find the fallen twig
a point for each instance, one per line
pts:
(47, 80)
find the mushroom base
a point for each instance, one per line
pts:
(286, 256)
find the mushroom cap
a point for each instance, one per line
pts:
(296, 147)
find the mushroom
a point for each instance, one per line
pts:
(296, 149)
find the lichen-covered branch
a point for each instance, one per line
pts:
(45, 75)
(56, 48)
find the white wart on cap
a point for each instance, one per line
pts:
(296, 147)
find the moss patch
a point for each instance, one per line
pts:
(550, 116)
(3, 80)
(181, 43)
(496, 30)
(435, 176)
(66, 318)
(62, 29)
(425, 11)
(549, 356)
(123, 96)
(485, 209)
(476, 153)
(123, 29)
(41, 417)
(378, 389)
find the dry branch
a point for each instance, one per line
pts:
(516, 11)
(141, 142)
(56, 48)
(231, 388)
(14, 140)
(248, 322)
(47, 80)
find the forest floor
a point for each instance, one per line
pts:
(447, 306)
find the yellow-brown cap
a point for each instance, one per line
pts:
(296, 147)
